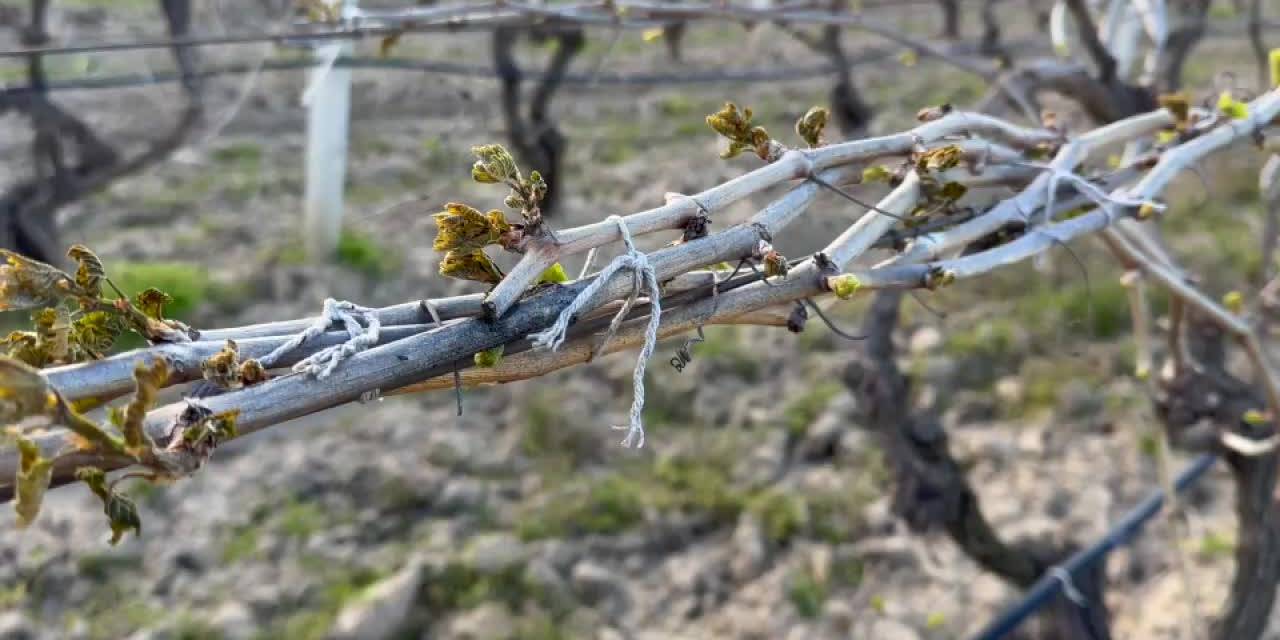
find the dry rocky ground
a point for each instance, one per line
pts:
(758, 508)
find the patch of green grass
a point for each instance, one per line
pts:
(540, 627)
(1214, 545)
(547, 437)
(1100, 310)
(190, 628)
(361, 252)
(804, 409)
(782, 516)
(458, 586)
(724, 352)
(837, 516)
(187, 283)
(13, 595)
(103, 566)
(989, 338)
(807, 593)
(848, 571)
(609, 506)
(114, 613)
(313, 621)
(242, 156)
(441, 158)
(699, 486)
(365, 194)
(241, 545)
(372, 146)
(301, 625)
(681, 104)
(619, 502)
(301, 519)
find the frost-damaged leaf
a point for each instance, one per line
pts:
(96, 331)
(939, 159)
(388, 43)
(122, 513)
(147, 383)
(223, 367)
(29, 284)
(227, 371)
(464, 228)
(952, 191)
(53, 330)
(151, 302)
(169, 331)
(811, 125)
(252, 372)
(90, 272)
(471, 265)
(24, 346)
(34, 473)
(24, 392)
(1179, 106)
(197, 432)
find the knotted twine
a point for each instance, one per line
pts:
(323, 362)
(645, 276)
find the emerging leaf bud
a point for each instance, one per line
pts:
(844, 286)
(811, 125)
(494, 164)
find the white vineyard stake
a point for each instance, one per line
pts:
(328, 102)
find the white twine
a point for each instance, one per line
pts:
(323, 362)
(645, 276)
(1068, 587)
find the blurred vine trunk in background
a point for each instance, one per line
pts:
(69, 161)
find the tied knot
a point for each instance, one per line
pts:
(643, 277)
(323, 362)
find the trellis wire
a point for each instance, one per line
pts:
(1128, 528)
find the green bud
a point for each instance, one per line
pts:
(844, 286)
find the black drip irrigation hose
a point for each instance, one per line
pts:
(1128, 528)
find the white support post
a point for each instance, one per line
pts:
(328, 102)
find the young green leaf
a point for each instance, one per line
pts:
(147, 383)
(489, 358)
(811, 125)
(122, 513)
(554, 275)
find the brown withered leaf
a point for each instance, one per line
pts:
(464, 228)
(31, 482)
(30, 284)
(471, 265)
